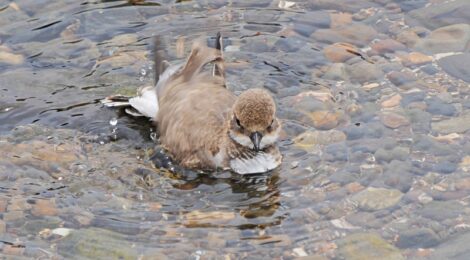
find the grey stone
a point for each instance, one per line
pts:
(451, 38)
(459, 124)
(363, 71)
(441, 210)
(457, 66)
(456, 248)
(360, 246)
(438, 107)
(440, 14)
(417, 238)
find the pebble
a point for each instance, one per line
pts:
(441, 210)
(415, 59)
(457, 66)
(356, 34)
(387, 46)
(363, 72)
(452, 38)
(324, 120)
(340, 18)
(372, 199)
(361, 246)
(439, 14)
(309, 139)
(394, 120)
(200, 218)
(437, 106)
(340, 52)
(3, 227)
(392, 101)
(401, 78)
(417, 238)
(43, 207)
(11, 58)
(458, 124)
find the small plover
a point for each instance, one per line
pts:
(201, 123)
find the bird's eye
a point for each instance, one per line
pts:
(270, 127)
(238, 122)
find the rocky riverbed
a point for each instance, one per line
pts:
(374, 98)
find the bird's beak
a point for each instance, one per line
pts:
(256, 139)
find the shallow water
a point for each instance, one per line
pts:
(373, 96)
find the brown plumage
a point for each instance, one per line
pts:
(205, 126)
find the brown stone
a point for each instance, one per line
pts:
(340, 52)
(394, 120)
(387, 46)
(199, 218)
(3, 226)
(392, 101)
(10, 58)
(339, 19)
(324, 120)
(415, 59)
(3, 205)
(13, 250)
(408, 37)
(353, 187)
(44, 208)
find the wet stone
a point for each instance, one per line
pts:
(458, 124)
(415, 59)
(372, 199)
(440, 14)
(437, 106)
(306, 26)
(452, 38)
(456, 247)
(441, 210)
(340, 52)
(367, 246)
(364, 219)
(356, 34)
(394, 120)
(457, 66)
(363, 71)
(290, 44)
(400, 78)
(387, 46)
(445, 167)
(324, 120)
(309, 139)
(418, 238)
(420, 120)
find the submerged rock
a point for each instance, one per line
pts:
(417, 238)
(372, 199)
(457, 66)
(367, 246)
(452, 38)
(440, 14)
(459, 124)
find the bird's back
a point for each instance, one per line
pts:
(194, 106)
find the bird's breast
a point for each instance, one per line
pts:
(260, 162)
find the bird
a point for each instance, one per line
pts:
(201, 123)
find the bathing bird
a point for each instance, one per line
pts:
(201, 123)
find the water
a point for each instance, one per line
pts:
(373, 97)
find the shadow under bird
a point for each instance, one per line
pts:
(201, 123)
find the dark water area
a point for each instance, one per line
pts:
(373, 95)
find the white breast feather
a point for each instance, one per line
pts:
(146, 103)
(262, 162)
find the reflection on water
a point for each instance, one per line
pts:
(373, 97)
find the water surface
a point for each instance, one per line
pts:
(373, 97)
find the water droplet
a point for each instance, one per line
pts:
(113, 121)
(141, 78)
(143, 72)
(101, 142)
(153, 136)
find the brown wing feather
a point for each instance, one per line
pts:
(193, 110)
